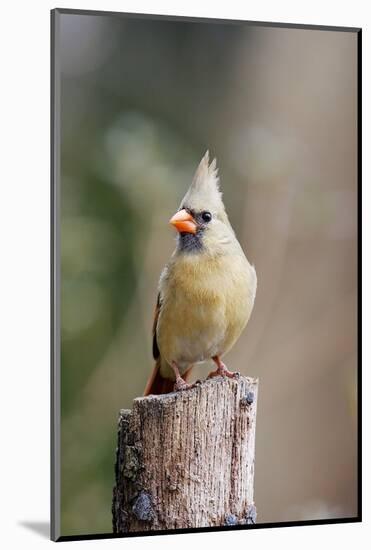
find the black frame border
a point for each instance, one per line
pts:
(55, 492)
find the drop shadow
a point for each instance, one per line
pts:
(42, 528)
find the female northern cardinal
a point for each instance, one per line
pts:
(206, 291)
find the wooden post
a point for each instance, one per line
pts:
(186, 459)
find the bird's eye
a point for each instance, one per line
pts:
(206, 216)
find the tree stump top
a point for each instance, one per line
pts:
(186, 459)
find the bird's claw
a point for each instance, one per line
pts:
(181, 385)
(223, 371)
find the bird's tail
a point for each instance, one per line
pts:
(158, 384)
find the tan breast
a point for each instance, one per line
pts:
(206, 303)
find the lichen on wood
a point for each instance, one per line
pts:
(186, 459)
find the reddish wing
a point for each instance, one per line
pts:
(155, 350)
(156, 383)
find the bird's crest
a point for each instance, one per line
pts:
(206, 175)
(204, 191)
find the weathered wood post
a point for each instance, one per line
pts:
(186, 459)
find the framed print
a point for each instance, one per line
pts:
(206, 195)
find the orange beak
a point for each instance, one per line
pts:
(183, 222)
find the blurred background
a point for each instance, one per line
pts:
(141, 101)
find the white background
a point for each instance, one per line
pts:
(24, 268)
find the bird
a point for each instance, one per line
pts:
(206, 291)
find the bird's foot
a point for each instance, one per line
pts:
(222, 370)
(181, 385)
